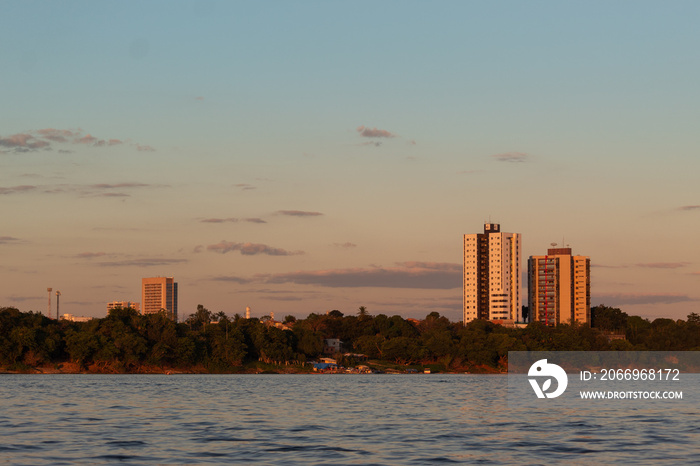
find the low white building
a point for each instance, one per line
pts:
(72, 318)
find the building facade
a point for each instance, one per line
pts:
(559, 288)
(123, 305)
(159, 294)
(491, 275)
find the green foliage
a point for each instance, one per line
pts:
(127, 341)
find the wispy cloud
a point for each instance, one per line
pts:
(8, 240)
(144, 148)
(244, 186)
(366, 132)
(219, 220)
(16, 189)
(689, 208)
(417, 275)
(144, 262)
(22, 143)
(21, 299)
(90, 255)
(617, 299)
(97, 190)
(512, 157)
(57, 135)
(299, 213)
(250, 249)
(347, 245)
(232, 220)
(119, 185)
(664, 265)
(42, 139)
(233, 279)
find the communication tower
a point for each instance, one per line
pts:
(58, 295)
(48, 309)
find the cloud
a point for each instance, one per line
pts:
(664, 265)
(688, 208)
(146, 262)
(233, 279)
(345, 245)
(299, 213)
(374, 132)
(113, 195)
(284, 298)
(56, 135)
(244, 186)
(232, 220)
(23, 143)
(617, 299)
(8, 240)
(199, 97)
(144, 148)
(119, 185)
(87, 139)
(417, 275)
(16, 189)
(250, 249)
(90, 140)
(90, 255)
(43, 138)
(513, 157)
(20, 299)
(220, 220)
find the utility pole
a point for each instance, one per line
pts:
(48, 309)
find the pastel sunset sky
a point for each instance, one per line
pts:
(303, 156)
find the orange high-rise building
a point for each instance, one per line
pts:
(559, 288)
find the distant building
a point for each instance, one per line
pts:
(332, 346)
(72, 318)
(159, 294)
(491, 275)
(123, 305)
(559, 287)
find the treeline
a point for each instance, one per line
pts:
(126, 341)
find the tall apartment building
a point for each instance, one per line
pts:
(123, 305)
(159, 294)
(559, 288)
(492, 275)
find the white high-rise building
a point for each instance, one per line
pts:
(159, 294)
(492, 275)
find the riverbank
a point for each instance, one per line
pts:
(248, 368)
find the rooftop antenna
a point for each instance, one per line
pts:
(48, 309)
(58, 295)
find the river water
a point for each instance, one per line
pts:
(326, 419)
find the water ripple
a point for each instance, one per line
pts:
(318, 420)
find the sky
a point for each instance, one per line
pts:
(305, 156)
